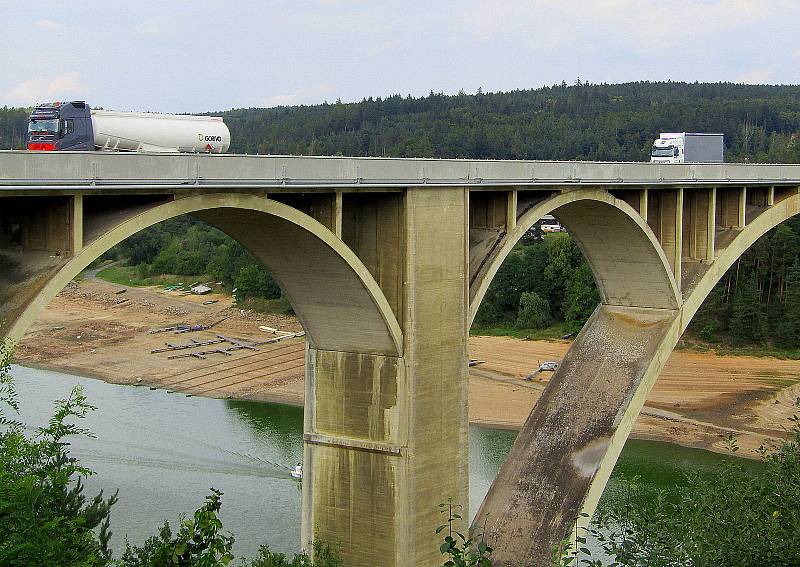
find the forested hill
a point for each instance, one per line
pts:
(592, 122)
(581, 121)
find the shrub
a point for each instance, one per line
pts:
(534, 311)
(254, 281)
(737, 518)
(45, 518)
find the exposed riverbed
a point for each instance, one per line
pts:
(164, 451)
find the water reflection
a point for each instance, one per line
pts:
(282, 424)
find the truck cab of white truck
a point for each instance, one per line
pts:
(55, 127)
(74, 126)
(686, 147)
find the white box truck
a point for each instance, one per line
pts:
(686, 147)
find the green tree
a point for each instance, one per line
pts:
(254, 281)
(581, 298)
(787, 332)
(534, 311)
(746, 323)
(712, 317)
(45, 518)
(738, 517)
(563, 259)
(199, 542)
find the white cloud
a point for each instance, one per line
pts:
(160, 28)
(644, 21)
(756, 76)
(300, 96)
(47, 24)
(40, 89)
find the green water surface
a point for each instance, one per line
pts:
(164, 451)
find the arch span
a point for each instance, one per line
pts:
(564, 454)
(334, 295)
(628, 263)
(566, 451)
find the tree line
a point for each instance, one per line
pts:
(582, 121)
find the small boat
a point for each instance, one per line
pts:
(297, 472)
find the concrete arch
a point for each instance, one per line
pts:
(615, 240)
(353, 313)
(564, 456)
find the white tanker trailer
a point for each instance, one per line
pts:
(74, 126)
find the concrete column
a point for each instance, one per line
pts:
(436, 366)
(711, 224)
(742, 209)
(511, 210)
(698, 224)
(337, 214)
(76, 222)
(372, 227)
(387, 437)
(729, 207)
(670, 226)
(678, 252)
(771, 196)
(355, 445)
(643, 203)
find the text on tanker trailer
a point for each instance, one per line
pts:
(74, 126)
(686, 147)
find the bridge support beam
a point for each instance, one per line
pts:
(387, 437)
(562, 458)
(665, 217)
(698, 224)
(642, 203)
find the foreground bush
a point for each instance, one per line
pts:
(738, 518)
(45, 518)
(47, 521)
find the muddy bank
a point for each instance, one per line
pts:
(90, 329)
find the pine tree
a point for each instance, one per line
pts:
(787, 331)
(747, 322)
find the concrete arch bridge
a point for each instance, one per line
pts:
(386, 261)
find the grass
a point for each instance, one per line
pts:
(126, 275)
(260, 305)
(549, 333)
(722, 348)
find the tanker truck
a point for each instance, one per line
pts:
(74, 126)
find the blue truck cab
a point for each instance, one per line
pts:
(61, 126)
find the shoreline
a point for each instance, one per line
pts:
(94, 329)
(282, 399)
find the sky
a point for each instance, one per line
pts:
(195, 56)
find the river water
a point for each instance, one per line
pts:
(164, 451)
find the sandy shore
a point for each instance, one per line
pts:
(92, 330)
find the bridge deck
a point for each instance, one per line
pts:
(67, 171)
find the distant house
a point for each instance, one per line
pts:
(548, 223)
